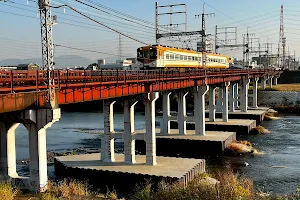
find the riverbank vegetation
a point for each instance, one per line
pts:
(222, 185)
(241, 147)
(259, 130)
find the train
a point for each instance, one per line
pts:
(159, 57)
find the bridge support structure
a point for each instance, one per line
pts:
(275, 80)
(182, 117)
(108, 141)
(150, 128)
(199, 109)
(271, 81)
(233, 97)
(219, 106)
(225, 101)
(254, 95)
(244, 95)
(264, 82)
(129, 130)
(212, 103)
(36, 122)
(165, 123)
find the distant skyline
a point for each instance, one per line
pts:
(20, 33)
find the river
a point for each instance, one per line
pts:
(277, 170)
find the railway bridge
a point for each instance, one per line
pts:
(24, 98)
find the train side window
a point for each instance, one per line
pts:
(190, 57)
(177, 57)
(167, 56)
(181, 57)
(172, 57)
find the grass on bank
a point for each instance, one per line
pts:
(229, 186)
(281, 87)
(259, 130)
(241, 147)
(7, 191)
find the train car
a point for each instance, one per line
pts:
(156, 56)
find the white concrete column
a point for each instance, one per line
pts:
(150, 128)
(108, 142)
(271, 82)
(225, 101)
(7, 151)
(181, 117)
(212, 103)
(275, 80)
(236, 95)
(165, 123)
(129, 142)
(199, 116)
(255, 85)
(244, 95)
(264, 83)
(219, 106)
(38, 156)
(232, 97)
(36, 122)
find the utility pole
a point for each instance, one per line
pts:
(294, 65)
(171, 25)
(204, 35)
(46, 23)
(246, 40)
(230, 35)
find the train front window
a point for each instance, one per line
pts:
(146, 54)
(153, 54)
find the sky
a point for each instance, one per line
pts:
(20, 28)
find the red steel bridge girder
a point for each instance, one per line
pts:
(23, 89)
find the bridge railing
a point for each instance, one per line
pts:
(37, 79)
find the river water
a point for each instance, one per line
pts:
(277, 170)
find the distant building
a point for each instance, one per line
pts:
(127, 64)
(264, 60)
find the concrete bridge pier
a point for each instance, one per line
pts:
(225, 101)
(129, 130)
(199, 109)
(212, 103)
(275, 80)
(36, 122)
(244, 95)
(270, 81)
(181, 117)
(108, 141)
(165, 123)
(219, 106)
(232, 97)
(254, 96)
(264, 82)
(236, 95)
(150, 128)
(8, 151)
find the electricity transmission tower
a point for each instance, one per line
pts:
(46, 22)
(282, 40)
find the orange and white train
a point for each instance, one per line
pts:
(156, 56)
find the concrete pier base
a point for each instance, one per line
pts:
(252, 114)
(191, 145)
(240, 126)
(124, 177)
